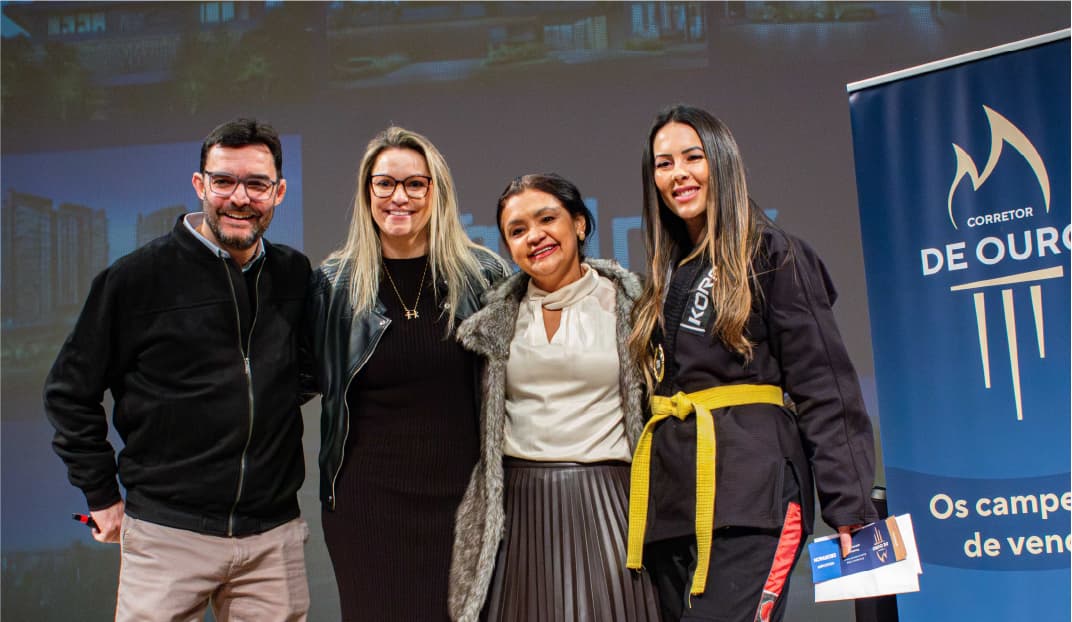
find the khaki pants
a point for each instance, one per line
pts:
(173, 574)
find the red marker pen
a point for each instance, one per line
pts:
(85, 520)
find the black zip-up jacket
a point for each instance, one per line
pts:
(343, 343)
(202, 361)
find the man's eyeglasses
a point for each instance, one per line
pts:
(225, 184)
(415, 186)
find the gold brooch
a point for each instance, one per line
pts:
(658, 363)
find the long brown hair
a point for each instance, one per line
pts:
(731, 239)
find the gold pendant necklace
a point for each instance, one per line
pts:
(410, 314)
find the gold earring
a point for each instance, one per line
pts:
(580, 235)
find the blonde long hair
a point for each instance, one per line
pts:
(450, 249)
(731, 239)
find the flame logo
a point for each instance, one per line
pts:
(1001, 131)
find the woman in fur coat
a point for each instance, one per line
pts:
(541, 530)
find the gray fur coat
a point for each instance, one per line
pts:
(479, 523)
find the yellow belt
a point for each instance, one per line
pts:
(681, 406)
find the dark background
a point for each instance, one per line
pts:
(102, 97)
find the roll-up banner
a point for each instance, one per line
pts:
(962, 169)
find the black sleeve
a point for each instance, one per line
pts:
(494, 267)
(312, 346)
(74, 390)
(819, 377)
(307, 382)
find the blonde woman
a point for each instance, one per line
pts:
(400, 396)
(735, 315)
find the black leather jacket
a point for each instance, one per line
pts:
(343, 343)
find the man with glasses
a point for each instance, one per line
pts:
(198, 336)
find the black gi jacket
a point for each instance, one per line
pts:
(797, 347)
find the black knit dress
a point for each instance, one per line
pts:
(412, 444)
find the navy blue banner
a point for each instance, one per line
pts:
(963, 181)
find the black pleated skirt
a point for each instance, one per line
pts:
(563, 554)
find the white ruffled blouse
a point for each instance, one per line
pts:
(563, 401)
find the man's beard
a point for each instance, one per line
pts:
(241, 243)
